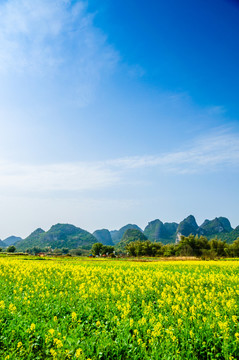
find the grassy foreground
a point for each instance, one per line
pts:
(74, 309)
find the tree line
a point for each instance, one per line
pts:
(188, 246)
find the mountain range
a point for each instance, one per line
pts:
(71, 237)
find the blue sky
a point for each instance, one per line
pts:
(117, 112)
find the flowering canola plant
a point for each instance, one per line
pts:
(91, 309)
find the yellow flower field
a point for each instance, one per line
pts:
(91, 309)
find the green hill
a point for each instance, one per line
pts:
(103, 236)
(216, 226)
(231, 236)
(188, 226)
(2, 244)
(159, 232)
(11, 240)
(219, 227)
(117, 235)
(59, 236)
(129, 236)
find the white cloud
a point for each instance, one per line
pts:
(205, 155)
(55, 177)
(209, 153)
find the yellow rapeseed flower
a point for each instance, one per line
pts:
(58, 343)
(78, 353)
(237, 336)
(51, 331)
(73, 316)
(19, 344)
(12, 308)
(2, 304)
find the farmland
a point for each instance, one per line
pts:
(109, 309)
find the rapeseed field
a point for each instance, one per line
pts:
(92, 309)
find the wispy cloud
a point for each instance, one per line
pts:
(208, 154)
(55, 177)
(56, 39)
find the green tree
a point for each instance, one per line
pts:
(57, 251)
(134, 248)
(169, 250)
(11, 249)
(75, 252)
(107, 249)
(186, 246)
(235, 248)
(35, 250)
(97, 249)
(192, 245)
(144, 248)
(220, 247)
(65, 250)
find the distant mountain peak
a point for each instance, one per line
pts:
(117, 235)
(158, 231)
(103, 236)
(129, 236)
(37, 231)
(187, 226)
(58, 236)
(216, 226)
(12, 240)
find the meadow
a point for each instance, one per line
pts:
(109, 309)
